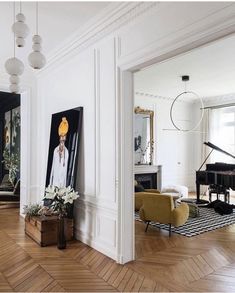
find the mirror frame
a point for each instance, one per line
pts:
(139, 110)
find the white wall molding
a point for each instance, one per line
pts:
(96, 227)
(83, 237)
(101, 204)
(144, 94)
(111, 19)
(203, 31)
(219, 100)
(25, 146)
(97, 120)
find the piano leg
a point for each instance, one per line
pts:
(198, 192)
(198, 200)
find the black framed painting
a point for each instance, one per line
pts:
(65, 136)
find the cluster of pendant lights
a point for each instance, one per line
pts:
(15, 66)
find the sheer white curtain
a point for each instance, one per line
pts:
(222, 133)
(205, 137)
(205, 134)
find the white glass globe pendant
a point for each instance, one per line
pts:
(20, 29)
(36, 59)
(14, 67)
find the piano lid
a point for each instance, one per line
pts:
(213, 146)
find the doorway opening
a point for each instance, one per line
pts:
(10, 150)
(184, 151)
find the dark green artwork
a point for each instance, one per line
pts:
(11, 153)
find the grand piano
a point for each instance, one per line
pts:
(218, 174)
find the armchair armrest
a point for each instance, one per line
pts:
(180, 215)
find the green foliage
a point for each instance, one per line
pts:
(11, 161)
(32, 210)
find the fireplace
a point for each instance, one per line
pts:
(147, 180)
(149, 176)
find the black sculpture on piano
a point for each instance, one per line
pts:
(220, 175)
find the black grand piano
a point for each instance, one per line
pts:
(218, 174)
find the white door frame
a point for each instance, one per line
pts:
(24, 145)
(25, 149)
(126, 232)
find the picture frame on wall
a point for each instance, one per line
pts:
(7, 130)
(65, 136)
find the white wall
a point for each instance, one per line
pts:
(87, 80)
(87, 73)
(174, 150)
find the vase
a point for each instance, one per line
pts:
(61, 240)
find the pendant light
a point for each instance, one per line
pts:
(14, 66)
(185, 79)
(20, 29)
(36, 59)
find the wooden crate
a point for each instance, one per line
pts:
(43, 229)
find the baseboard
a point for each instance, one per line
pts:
(87, 239)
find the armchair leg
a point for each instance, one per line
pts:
(169, 230)
(147, 226)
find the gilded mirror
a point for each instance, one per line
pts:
(143, 136)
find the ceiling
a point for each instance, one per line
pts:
(211, 69)
(57, 21)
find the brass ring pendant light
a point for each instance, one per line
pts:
(185, 78)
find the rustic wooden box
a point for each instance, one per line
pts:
(43, 229)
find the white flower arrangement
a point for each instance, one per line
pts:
(61, 198)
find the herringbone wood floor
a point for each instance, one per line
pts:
(202, 263)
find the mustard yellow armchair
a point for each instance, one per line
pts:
(139, 196)
(160, 208)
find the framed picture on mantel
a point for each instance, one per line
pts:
(62, 164)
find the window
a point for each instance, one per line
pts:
(222, 133)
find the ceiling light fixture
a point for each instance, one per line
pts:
(185, 79)
(36, 59)
(20, 29)
(14, 66)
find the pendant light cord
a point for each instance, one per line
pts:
(14, 9)
(20, 7)
(36, 18)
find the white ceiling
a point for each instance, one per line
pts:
(211, 69)
(57, 21)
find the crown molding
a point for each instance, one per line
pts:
(207, 101)
(219, 100)
(115, 16)
(217, 25)
(142, 94)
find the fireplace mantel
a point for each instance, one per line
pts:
(155, 171)
(141, 169)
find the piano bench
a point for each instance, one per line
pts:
(218, 190)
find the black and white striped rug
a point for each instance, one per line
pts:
(208, 220)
